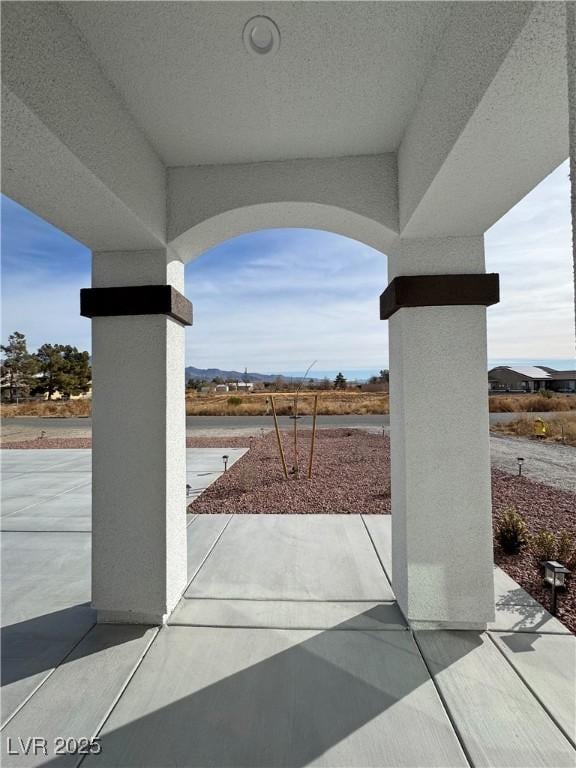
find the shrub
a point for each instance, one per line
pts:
(544, 545)
(511, 531)
(234, 400)
(566, 550)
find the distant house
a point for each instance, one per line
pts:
(240, 386)
(221, 388)
(530, 378)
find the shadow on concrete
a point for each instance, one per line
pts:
(287, 709)
(41, 643)
(530, 617)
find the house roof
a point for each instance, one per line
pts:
(539, 372)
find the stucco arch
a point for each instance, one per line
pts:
(352, 196)
(239, 221)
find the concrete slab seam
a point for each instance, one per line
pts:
(52, 467)
(44, 679)
(529, 631)
(207, 555)
(444, 703)
(376, 551)
(531, 689)
(49, 498)
(288, 599)
(26, 530)
(120, 693)
(290, 629)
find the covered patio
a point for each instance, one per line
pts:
(151, 131)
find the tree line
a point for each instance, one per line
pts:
(52, 368)
(281, 384)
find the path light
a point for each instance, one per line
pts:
(555, 574)
(520, 461)
(225, 460)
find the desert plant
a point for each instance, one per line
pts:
(544, 545)
(511, 531)
(234, 400)
(566, 550)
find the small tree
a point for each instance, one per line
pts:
(340, 381)
(78, 371)
(64, 369)
(17, 368)
(51, 367)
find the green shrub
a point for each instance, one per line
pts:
(511, 531)
(566, 550)
(544, 546)
(234, 400)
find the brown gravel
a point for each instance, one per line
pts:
(50, 442)
(542, 507)
(86, 442)
(351, 475)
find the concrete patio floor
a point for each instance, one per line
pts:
(287, 648)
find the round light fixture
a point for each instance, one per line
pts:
(261, 36)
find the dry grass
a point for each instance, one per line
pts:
(531, 403)
(257, 404)
(62, 408)
(562, 428)
(330, 402)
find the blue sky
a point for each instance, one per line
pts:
(276, 300)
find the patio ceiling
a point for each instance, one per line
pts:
(344, 81)
(424, 119)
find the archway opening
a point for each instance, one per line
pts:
(286, 325)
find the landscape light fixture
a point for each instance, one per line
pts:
(555, 575)
(225, 460)
(520, 461)
(261, 36)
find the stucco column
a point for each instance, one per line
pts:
(571, 62)
(442, 561)
(138, 435)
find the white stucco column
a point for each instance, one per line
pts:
(442, 561)
(138, 439)
(571, 63)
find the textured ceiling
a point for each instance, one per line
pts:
(345, 79)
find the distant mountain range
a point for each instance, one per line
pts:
(216, 373)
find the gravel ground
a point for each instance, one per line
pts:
(86, 442)
(550, 463)
(351, 474)
(542, 507)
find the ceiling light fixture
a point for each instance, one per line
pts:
(261, 36)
